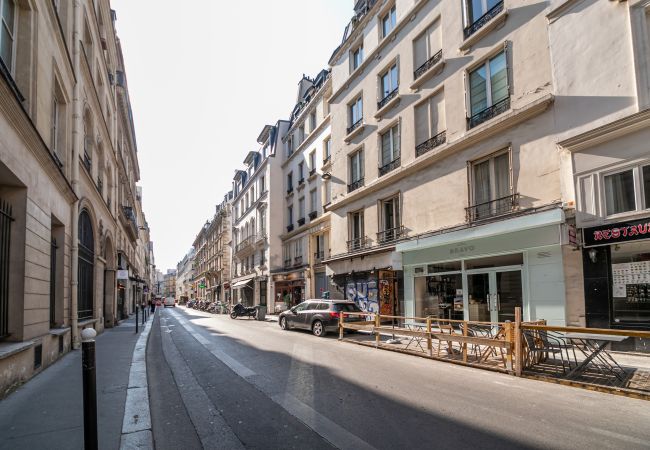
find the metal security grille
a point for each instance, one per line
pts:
(53, 248)
(5, 242)
(86, 267)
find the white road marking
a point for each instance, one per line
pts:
(324, 427)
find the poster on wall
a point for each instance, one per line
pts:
(626, 275)
(386, 293)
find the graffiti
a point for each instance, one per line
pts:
(364, 294)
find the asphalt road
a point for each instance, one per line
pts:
(221, 383)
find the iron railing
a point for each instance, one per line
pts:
(327, 159)
(245, 243)
(301, 182)
(289, 190)
(431, 143)
(427, 65)
(5, 246)
(313, 215)
(312, 172)
(357, 244)
(354, 126)
(319, 256)
(87, 161)
(484, 19)
(289, 228)
(388, 97)
(356, 184)
(297, 261)
(394, 164)
(287, 263)
(390, 234)
(301, 221)
(53, 248)
(492, 208)
(489, 112)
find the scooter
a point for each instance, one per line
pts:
(240, 310)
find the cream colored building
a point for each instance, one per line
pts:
(306, 155)
(185, 277)
(68, 174)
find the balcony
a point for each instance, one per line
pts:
(313, 215)
(287, 263)
(301, 221)
(387, 98)
(87, 162)
(289, 228)
(245, 244)
(327, 160)
(290, 190)
(319, 257)
(129, 222)
(430, 144)
(492, 208)
(312, 172)
(261, 237)
(390, 235)
(355, 185)
(357, 244)
(301, 182)
(483, 20)
(354, 126)
(297, 261)
(394, 164)
(489, 113)
(417, 73)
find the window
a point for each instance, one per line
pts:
(290, 182)
(356, 58)
(478, 8)
(426, 47)
(390, 220)
(312, 162)
(290, 147)
(488, 88)
(263, 222)
(646, 185)
(262, 185)
(356, 167)
(313, 200)
(301, 208)
(491, 189)
(388, 22)
(390, 145)
(327, 149)
(327, 189)
(312, 121)
(7, 32)
(356, 112)
(290, 214)
(356, 231)
(621, 191)
(56, 124)
(301, 134)
(389, 81)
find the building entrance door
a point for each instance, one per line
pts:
(493, 295)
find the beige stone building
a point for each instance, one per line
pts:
(306, 159)
(68, 174)
(185, 277)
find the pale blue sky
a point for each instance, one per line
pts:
(204, 78)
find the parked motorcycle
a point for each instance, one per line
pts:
(240, 310)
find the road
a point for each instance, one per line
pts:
(222, 383)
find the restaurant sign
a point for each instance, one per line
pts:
(614, 233)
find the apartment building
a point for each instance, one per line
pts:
(445, 173)
(256, 245)
(169, 283)
(185, 277)
(200, 264)
(305, 238)
(73, 231)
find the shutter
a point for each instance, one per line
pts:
(419, 50)
(466, 85)
(465, 13)
(361, 164)
(385, 148)
(439, 108)
(396, 141)
(421, 122)
(434, 37)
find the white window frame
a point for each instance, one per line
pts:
(491, 157)
(386, 72)
(301, 208)
(358, 154)
(357, 103)
(485, 62)
(359, 213)
(435, 24)
(11, 65)
(397, 204)
(641, 203)
(353, 60)
(327, 147)
(391, 13)
(389, 130)
(313, 200)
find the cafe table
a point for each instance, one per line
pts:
(594, 347)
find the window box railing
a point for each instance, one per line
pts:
(388, 97)
(357, 244)
(87, 161)
(327, 159)
(290, 190)
(287, 263)
(100, 185)
(394, 164)
(301, 182)
(289, 228)
(432, 143)
(312, 172)
(245, 243)
(484, 19)
(489, 113)
(301, 221)
(492, 208)
(312, 215)
(427, 65)
(355, 185)
(319, 256)
(354, 126)
(390, 234)
(297, 261)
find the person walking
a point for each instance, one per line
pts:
(152, 304)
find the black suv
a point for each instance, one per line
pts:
(319, 316)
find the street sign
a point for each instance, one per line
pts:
(202, 286)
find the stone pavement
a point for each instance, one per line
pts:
(47, 412)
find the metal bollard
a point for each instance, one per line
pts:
(143, 315)
(89, 387)
(136, 319)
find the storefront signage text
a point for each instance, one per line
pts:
(461, 249)
(617, 232)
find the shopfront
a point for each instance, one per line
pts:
(483, 273)
(289, 290)
(244, 292)
(616, 261)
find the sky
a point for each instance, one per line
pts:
(203, 80)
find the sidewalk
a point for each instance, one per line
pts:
(47, 412)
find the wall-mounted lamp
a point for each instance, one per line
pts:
(592, 255)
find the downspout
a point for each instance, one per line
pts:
(77, 119)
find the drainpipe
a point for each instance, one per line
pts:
(77, 119)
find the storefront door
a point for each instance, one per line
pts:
(493, 295)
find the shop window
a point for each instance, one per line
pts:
(439, 296)
(444, 267)
(630, 289)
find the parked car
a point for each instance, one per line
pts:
(319, 316)
(170, 301)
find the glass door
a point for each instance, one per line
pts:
(493, 295)
(478, 296)
(509, 294)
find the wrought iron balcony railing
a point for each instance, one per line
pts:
(427, 65)
(484, 19)
(390, 234)
(297, 261)
(357, 244)
(290, 190)
(394, 164)
(355, 185)
(319, 256)
(313, 215)
(301, 221)
(492, 208)
(245, 243)
(312, 172)
(431, 143)
(354, 126)
(301, 182)
(289, 228)
(88, 162)
(287, 263)
(488, 113)
(388, 97)
(327, 159)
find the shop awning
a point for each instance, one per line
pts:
(241, 284)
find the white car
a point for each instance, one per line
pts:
(169, 301)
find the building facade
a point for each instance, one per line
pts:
(185, 277)
(76, 237)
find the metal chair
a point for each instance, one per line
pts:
(549, 345)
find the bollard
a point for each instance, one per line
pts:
(89, 388)
(136, 319)
(144, 313)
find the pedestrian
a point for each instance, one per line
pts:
(152, 303)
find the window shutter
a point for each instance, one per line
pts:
(419, 50)
(465, 14)
(507, 57)
(421, 122)
(467, 100)
(434, 38)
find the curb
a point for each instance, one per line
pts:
(136, 426)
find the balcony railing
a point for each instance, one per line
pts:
(357, 244)
(245, 243)
(313, 215)
(289, 228)
(394, 164)
(301, 221)
(355, 185)
(312, 172)
(319, 256)
(100, 185)
(432, 143)
(390, 234)
(427, 65)
(492, 208)
(289, 190)
(297, 261)
(488, 113)
(87, 161)
(327, 159)
(287, 263)
(388, 97)
(484, 19)
(301, 182)
(354, 126)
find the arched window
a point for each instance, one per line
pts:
(86, 267)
